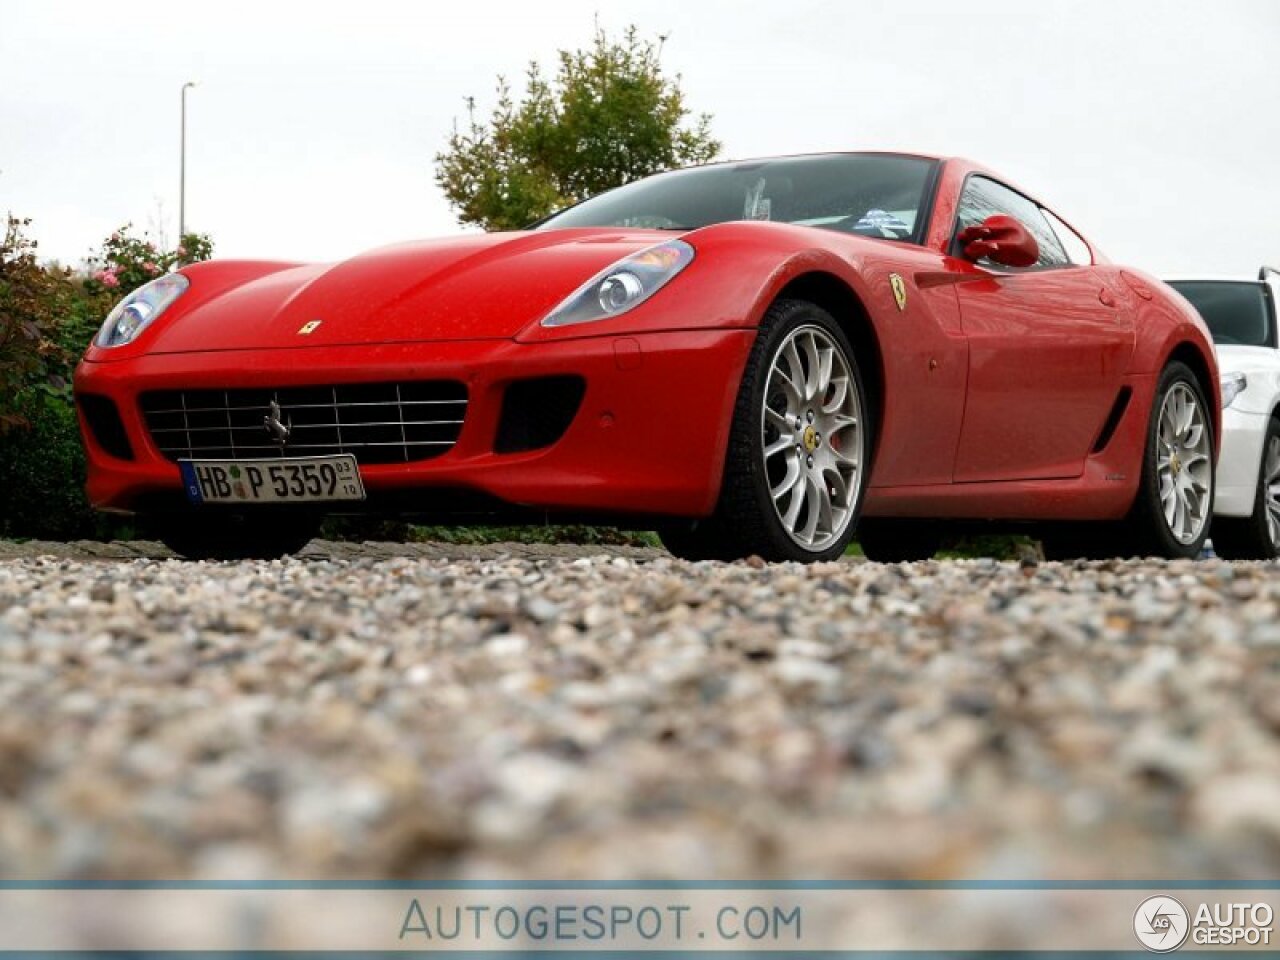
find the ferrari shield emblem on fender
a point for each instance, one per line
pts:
(309, 327)
(899, 290)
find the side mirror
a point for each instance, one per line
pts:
(1001, 239)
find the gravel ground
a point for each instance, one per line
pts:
(387, 711)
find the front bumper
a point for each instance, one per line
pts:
(1243, 434)
(649, 437)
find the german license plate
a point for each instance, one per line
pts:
(293, 480)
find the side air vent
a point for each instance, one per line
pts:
(536, 413)
(1113, 419)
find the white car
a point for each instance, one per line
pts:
(1241, 315)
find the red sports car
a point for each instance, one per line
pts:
(752, 357)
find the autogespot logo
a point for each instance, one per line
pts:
(1161, 924)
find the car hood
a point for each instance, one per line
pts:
(481, 286)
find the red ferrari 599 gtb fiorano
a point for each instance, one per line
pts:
(753, 357)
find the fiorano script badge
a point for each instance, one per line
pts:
(899, 287)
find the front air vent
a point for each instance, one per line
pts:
(537, 412)
(105, 426)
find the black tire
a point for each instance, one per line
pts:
(1250, 538)
(899, 541)
(745, 521)
(1149, 531)
(216, 535)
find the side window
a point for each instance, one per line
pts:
(983, 197)
(1077, 250)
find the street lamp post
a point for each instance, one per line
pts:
(182, 167)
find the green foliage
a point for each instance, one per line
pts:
(42, 473)
(539, 533)
(48, 316)
(995, 545)
(609, 116)
(126, 262)
(33, 301)
(380, 528)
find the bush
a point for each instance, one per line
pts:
(48, 315)
(42, 472)
(126, 262)
(32, 301)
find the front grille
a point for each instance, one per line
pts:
(378, 422)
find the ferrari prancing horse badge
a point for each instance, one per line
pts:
(899, 290)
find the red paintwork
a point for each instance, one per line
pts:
(996, 386)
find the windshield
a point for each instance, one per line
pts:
(872, 195)
(1236, 313)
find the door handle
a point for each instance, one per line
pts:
(1107, 297)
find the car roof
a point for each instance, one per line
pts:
(914, 154)
(1212, 279)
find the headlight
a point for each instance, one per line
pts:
(623, 286)
(135, 312)
(1232, 385)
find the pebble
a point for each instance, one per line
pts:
(525, 711)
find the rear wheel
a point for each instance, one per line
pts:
(1256, 537)
(214, 535)
(1170, 516)
(794, 470)
(899, 541)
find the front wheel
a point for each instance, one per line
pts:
(794, 474)
(213, 534)
(1256, 537)
(1171, 514)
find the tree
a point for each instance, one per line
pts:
(609, 116)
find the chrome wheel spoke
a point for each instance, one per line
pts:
(778, 446)
(794, 473)
(1170, 501)
(826, 359)
(1273, 522)
(839, 390)
(819, 512)
(780, 421)
(798, 492)
(837, 485)
(794, 373)
(1195, 460)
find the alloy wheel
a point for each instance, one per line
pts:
(813, 438)
(1271, 492)
(1183, 464)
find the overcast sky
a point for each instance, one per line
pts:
(1153, 126)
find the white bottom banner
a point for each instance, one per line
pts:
(645, 919)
